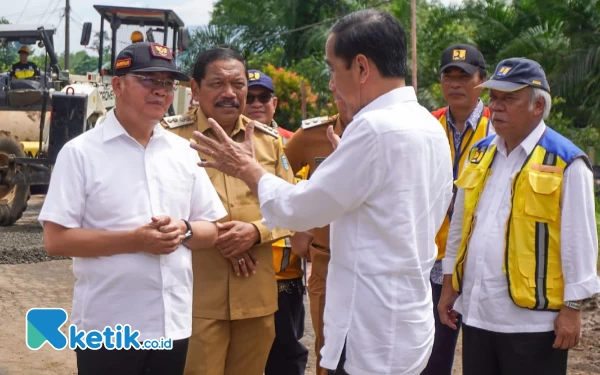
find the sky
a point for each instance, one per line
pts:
(193, 13)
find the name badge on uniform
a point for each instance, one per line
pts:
(285, 163)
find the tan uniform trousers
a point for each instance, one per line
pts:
(230, 347)
(316, 293)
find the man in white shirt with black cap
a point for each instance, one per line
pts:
(127, 203)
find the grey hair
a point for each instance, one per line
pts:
(536, 93)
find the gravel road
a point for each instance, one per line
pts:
(29, 279)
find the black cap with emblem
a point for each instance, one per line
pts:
(145, 57)
(463, 56)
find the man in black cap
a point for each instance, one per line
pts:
(128, 203)
(466, 121)
(522, 247)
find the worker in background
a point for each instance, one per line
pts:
(24, 69)
(466, 121)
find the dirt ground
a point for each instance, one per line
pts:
(50, 284)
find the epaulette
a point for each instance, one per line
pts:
(316, 121)
(176, 121)
(267, 129)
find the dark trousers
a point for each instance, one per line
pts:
(442, 355)
(492, 353)
(132, 361)
(288, 355)
(340, 367)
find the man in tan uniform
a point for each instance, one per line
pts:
(309, 147)
(233, 325)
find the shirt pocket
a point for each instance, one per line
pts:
(174, 196)
(543, 195)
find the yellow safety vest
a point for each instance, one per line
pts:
(468, 139)
(532, 233)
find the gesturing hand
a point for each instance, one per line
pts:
(228, 156)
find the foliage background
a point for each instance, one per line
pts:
(287, 39)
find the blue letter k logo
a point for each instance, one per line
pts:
(44, 325)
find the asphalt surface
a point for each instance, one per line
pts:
(23, 242)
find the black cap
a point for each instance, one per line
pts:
(517, 73)
(463, 56)
(145, 57)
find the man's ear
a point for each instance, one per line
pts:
(195, 90)
(275, 101)
(117, 85)
(364, 68)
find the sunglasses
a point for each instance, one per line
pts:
(153, 83)
(263, 98)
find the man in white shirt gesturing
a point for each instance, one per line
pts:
(385, 191)
(127, 204)
(522, 248)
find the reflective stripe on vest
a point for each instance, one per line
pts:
(533, 264)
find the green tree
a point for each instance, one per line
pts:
(8, 52)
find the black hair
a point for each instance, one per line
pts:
(377, 35)
(209, 56)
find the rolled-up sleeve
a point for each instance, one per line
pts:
(340, 184)
(579, 237)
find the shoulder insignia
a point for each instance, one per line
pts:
(316, 121)
(267, 129)
(176, 121)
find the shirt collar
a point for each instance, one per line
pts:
(528, 143)
(203, 126)
(399, 95)
(112, 128)
(472, 120)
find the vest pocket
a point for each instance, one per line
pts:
(543, 195)
(468, 180)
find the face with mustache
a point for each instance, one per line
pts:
(222, 92)
(458, 88)
(146, 101)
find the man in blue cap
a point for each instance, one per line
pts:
(522, 248)
(288, 355)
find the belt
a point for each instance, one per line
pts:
(291, 286)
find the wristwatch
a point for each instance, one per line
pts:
(188, 234)
(573, 305)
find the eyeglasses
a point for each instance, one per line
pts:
(153, 83)
(263, 98)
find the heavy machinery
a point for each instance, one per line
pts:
(38, 116)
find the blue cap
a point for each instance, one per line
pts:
(258, 78)
(517, 73)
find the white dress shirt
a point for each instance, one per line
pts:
(385, 191)
(104, 179)
(485, 302)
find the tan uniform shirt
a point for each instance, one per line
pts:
(218, 292)
(310, 146)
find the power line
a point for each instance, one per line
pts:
(47, 8)
(21, 15)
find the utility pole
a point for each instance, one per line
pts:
(413, 41)
(67, 33)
